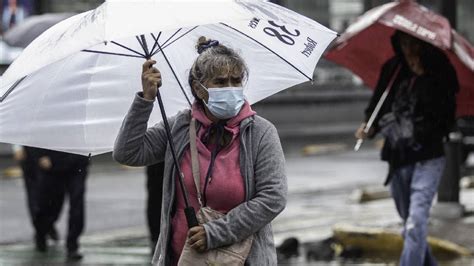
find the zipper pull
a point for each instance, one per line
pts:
(210, 179)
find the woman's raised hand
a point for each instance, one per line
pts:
(151, 80)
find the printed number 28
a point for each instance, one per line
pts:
(285, 38)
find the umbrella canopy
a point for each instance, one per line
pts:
(365, 46)
(8, 53)
(24, 33)
(71, 87)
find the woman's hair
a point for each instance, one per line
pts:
(214, 58)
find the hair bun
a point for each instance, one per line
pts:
(202, 40)
(204, 44)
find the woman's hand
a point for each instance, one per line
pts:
(360, 133)
(197, 238)
(151, 80)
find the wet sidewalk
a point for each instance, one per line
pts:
(119, 247)
(320, 197)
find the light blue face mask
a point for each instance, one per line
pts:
(225, 103)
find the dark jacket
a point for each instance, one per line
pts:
(434, 95)
(63, 162)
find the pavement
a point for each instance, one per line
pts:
(321, 183)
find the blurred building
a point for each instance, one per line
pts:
(47, 6)
(465, 19)
(336, 14)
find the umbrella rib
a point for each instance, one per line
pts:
(152, 52)
(174, 73)
(163, 47)
(141, 44)
(109, 53)
(125, 47)
(156, 41)
(172, 36)
(10, 90)
(269, 50)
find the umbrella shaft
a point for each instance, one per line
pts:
(173, 151)
(372, 118)
(376, 111)
(378, 107)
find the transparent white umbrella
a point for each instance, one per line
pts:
(71, 87)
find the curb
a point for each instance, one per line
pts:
(368, 194)
(11, 172)
(390, 242)
(115, 235)
(320, 149)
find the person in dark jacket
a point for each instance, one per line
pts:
(27, 158)
(414, 119)
(63, 174)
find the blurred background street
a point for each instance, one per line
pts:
(323, 192)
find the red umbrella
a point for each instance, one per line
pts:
(365, 46)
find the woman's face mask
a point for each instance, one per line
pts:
(226, 102)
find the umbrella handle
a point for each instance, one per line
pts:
(358, 144)
(188, 210)
(191, 217)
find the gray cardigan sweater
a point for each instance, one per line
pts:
(262, 165)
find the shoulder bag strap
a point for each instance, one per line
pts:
(195, 159)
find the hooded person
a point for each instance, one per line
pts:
(416, 116)
(241, 162)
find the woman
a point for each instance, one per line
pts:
(241, 161)
(417, 114)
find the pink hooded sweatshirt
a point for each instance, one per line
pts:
(226, 189)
